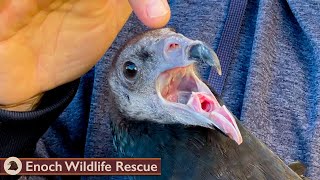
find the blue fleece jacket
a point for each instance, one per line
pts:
(272, 83)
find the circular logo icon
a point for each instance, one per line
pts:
(12, 166)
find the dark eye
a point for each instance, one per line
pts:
(130, 70)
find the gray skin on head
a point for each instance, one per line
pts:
(189, 146)
(138, 98)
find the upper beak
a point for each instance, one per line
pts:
(202, 52)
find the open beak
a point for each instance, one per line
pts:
(181, 87)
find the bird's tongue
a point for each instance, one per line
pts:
(208, 105)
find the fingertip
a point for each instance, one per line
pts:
(157, 22)
(152, 13)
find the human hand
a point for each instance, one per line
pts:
(47, 43)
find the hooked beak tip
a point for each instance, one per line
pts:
(218, 68)
(202, 52)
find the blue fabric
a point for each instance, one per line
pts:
(272, 83)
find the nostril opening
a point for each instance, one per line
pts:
(173, 46)
(172, 49)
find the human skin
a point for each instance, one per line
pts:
(47, 43)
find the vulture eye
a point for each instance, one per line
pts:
(130, 69)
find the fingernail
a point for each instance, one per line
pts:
(157, 8)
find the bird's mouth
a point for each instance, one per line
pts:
(181, 86)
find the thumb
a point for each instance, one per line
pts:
(152, 13)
